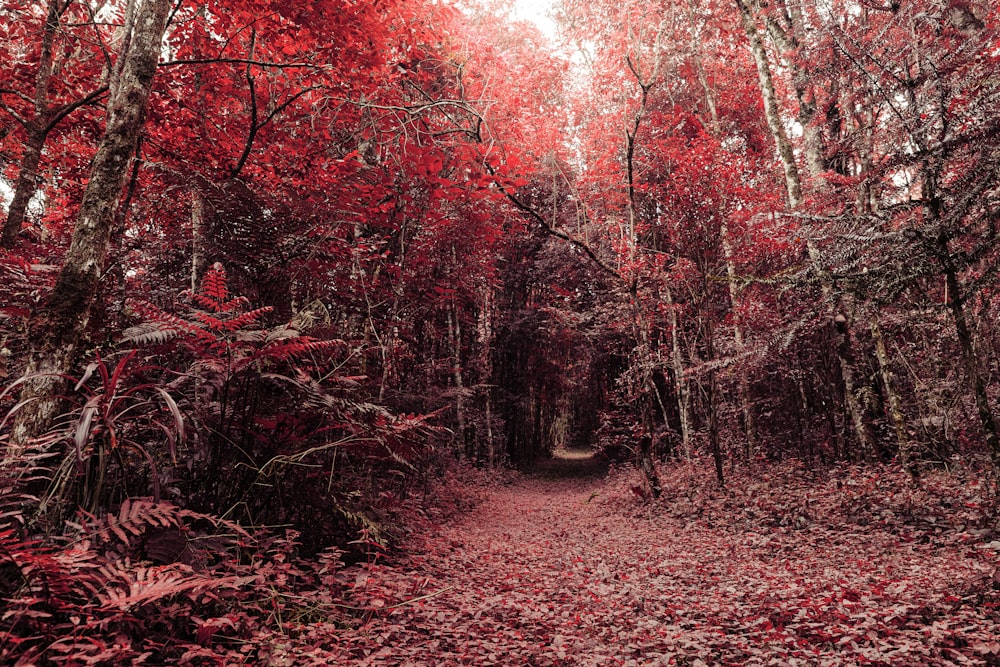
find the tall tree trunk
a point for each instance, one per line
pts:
(197, 238)
(772, 113)
(680, 379)
(486, 339)
(793, 186)
(970, 356)
(57, 328)
(37, 127)
(699, 65)
(455, 341)
(713, 412)
(895, 405)
(647, 393)
(749, 427)
(855, 410)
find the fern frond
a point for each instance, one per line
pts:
(234, 304)
(296, 348)
(246, 319)
(211, 304)
(214, 287)
(213, 323)
(137, 586)
(137, 515)
(256, 336)
(283, 332)
(166, 321)
(149, 333)
(314, 312)
(134, 516)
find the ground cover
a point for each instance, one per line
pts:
(788, 567)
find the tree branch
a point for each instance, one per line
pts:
(240, 61)
(537, 217)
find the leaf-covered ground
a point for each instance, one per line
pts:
(846, 568)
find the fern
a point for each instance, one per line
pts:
(268, 407)
(214, 289)
(246, 319)
(149, 333)
(298, 347)
(137, 515)
(133, 587)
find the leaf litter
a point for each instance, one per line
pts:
(785, 567)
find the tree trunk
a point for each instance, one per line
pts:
(713, 411)
(491, 448)
(647, 393)
(855, 410)
(793, 185)
(197, 238)
(38, 128)
(895, 405)
(680, 380)
(486, 340)
(57, 328)
(749, 428)
(970, 357)
(455, 341)
(28, 180)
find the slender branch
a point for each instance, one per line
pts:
(537, 217)
(173, 14)
(254, 127)
(67, 109)
(11, 91)
(241, 61)
(21, 120)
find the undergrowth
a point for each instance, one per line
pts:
(792, 495)
(213, 489)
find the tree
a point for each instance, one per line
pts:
(54, 98)
(58, 327)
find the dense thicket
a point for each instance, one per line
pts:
(348, 242)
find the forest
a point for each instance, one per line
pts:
(408, 332)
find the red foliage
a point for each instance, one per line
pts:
(441, 244)
(843, 568)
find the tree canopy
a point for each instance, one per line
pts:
(277, 263)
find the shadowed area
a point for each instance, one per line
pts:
(570, 464)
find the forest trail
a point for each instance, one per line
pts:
(551, 571)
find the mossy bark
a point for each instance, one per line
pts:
(57, 328)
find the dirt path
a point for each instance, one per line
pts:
(550, 572)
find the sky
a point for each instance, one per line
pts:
(536, 11)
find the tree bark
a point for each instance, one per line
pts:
(895, 405)
(749, 428)
(793, 183)
(970, 356)
(486, 342)
(793, 186)
(680, 380)
(25, 187)
(38, 129)
(197, 238)
(855, 410)
(713, 412)
(455, 341)
(57, 328)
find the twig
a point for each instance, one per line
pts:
(376, 610)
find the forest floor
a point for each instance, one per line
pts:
(568, 566)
